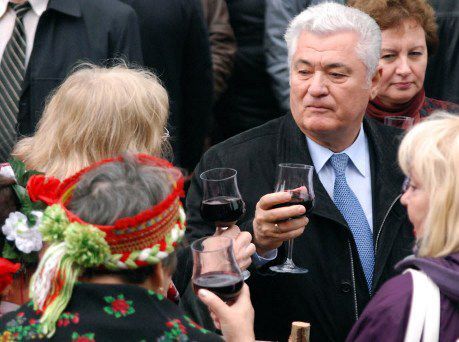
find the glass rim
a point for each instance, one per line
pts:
(401, 118)
(203, 177)
(296, 166)
(194, 243)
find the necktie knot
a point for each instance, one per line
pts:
(20, 9)
(339, 162)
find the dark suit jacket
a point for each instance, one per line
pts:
(175, 46)
(334, 292)
(442, 76)
(70, 31)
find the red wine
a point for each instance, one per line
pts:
(225, 285)
(222, 210)
(307, 203)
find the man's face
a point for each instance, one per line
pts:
(329, 90)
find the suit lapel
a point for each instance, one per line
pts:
(386, 179)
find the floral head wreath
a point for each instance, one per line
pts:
(131, 242)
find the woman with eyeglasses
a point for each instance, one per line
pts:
(424, 299)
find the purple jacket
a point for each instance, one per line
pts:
(386, 316)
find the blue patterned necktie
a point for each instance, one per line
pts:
(348, 204)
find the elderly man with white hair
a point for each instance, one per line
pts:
(358, 229)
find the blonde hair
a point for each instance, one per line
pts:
(431, 151)
(98, 113)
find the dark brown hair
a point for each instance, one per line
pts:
(9, 202)
(391, 13)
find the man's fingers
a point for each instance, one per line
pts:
(268, 201)
(291, 225)
(284, 213)
(291, 234)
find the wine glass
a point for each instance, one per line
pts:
(221, 201)
(296, 179)
(402, 122)
(215, 267)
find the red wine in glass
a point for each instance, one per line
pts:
(221, 201)
(223, 210)
(225, 285)
(299, 199)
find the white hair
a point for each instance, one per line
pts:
(328, 18)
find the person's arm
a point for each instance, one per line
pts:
(197, 86)
(278, 15)
(222, 42)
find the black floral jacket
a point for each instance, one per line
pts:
(109, 313)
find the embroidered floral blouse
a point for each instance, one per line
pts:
(109, 313)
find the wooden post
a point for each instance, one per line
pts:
(300, 332)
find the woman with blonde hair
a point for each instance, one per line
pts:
(97, 113)
(424, 300)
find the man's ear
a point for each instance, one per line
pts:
(375, 83)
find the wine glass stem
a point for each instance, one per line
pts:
(290, 252)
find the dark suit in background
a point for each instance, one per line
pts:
(442, 76)
(70, 31)
(175, 46)
(334, 292)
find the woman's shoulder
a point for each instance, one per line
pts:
(431, 104)
(386, 316)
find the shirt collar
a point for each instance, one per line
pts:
(38, 6)
(356, 152)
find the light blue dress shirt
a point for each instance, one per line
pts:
(358, 176)
(358, 171)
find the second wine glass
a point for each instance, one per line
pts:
(222, 203)
(296, 179)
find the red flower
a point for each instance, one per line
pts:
(7, 269)
(20, 314)
(84, 339)
(120, 305)
(75, 319)
(41, 188)
(32, 321)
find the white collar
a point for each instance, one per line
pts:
(356, 152)
(38, 6)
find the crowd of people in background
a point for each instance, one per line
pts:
(111, 110)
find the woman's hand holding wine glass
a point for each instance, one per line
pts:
(235, 320)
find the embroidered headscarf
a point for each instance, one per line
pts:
(75, 245)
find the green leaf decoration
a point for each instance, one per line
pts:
(26, 176)
(19, 169)
(9, 251)
(29, 258)
(109, 299)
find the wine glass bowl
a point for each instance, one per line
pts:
(402, 122)
(221, 202)
(215, 267)
(296, 179)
